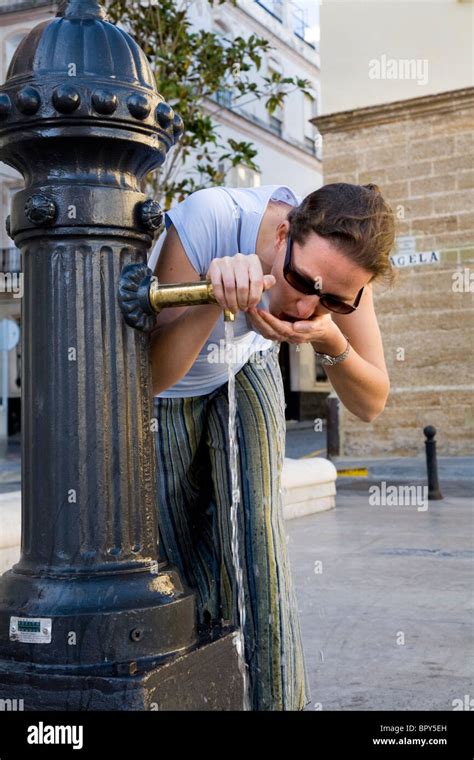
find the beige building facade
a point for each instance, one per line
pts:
(420, 153)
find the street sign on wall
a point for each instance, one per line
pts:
(406, 254)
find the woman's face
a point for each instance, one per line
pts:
(317, 260)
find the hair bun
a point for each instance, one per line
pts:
(373, 187)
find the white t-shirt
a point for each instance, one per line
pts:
(209, 227)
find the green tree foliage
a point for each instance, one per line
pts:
(194, 68)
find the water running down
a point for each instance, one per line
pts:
(234, 463)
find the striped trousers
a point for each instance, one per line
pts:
(194, 498)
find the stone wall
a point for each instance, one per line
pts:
(420, 153)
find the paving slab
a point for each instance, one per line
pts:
(387, 617)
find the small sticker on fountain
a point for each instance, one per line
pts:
(31, 630)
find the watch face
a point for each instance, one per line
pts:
(331, 360)
(325, 359)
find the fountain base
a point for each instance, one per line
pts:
(205, 678)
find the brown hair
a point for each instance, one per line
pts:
(355, 218)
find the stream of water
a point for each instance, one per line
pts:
(234, 469)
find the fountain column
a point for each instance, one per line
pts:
(89, 619)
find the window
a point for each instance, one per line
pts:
(274, 7)
(300, 23)
(310, 132)
(10, 259)
(224, 95)
(309, 112)
(310, 144)
(274, 67)
(276, 124)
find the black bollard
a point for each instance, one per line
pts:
(89, 617)
(332, 427)
(432, 464)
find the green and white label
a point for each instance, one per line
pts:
(31, 630)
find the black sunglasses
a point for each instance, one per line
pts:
(309, 287)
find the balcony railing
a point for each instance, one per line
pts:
(10, 260)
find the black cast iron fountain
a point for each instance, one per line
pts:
(89, 618)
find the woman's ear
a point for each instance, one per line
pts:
(282, 233)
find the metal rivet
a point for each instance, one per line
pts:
(178, 127)
(150, 215)
(40, 210)
(139, 106)
(28, 100)
(66, 99)
(164, 115)
(104, 101)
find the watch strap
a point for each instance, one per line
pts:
(329, 360)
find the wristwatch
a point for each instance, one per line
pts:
(331, 360)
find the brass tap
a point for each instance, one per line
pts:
(183, 294)
(141, 297)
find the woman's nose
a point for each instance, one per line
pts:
(306, 307)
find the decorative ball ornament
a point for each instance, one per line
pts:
(40, 210)
(104, 101)
(28, 100)
(164, 115)
(66, 99)
(150, 215)
(178, 127)
(139, 106)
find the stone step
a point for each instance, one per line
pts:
(10, 529)
(309, 486)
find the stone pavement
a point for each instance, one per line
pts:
(388, 622)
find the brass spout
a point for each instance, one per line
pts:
(183, 294)
(141, 297)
